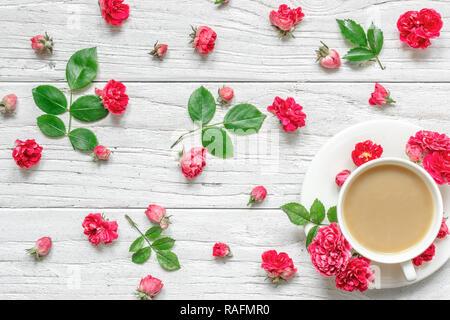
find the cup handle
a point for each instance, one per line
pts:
(409, 271)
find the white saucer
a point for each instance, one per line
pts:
(335, 156)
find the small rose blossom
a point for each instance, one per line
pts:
(159, 50)
(328, 58)
(289, 112)
(221, 250)
(99, 230)
(204, 39)
(330, 251)
(114, 97)
(418, 27)
(437, 164)
(27, 153)
(41, 248)
(101, 153)
(278, 265)
(225, 94)
(114, 11)
(286, 18)
(414, 152)
(426, 256)
(155, 213)
(380, 96)
(443, 231)
(149, 287)
(430, 141)
(258, 194)
(341, 177)
(8, 103)
(356, 276)
(193, 161)
(365, 152)
(42, 44)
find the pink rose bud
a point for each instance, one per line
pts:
(42, 247)
(159, 50)
(380, 96)
(149, 288)
(42, 44)
(258, 194)
(155, 213)
(101, 153)
(8, 103)
(414, 152)
(341, 177)
(443, 231)
(328, 58)
(225, 94)
(221, 250)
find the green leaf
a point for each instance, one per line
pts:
(359, 54)
(168, 260)
(201, 106)
(317, 212)
(141, 255)
(332, 214)
(244, 119)
(137, 244)
(353, 32)
(88, 108)
(375, 37)
(153, 232)
(296, 213)
(218, 142)
(81, 68)
(163, 243)
(83, 139)
(51, 125)
(50, 99)
(311, 235)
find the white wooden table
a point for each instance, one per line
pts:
(53, 198)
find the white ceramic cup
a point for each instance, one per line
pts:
(403, 257)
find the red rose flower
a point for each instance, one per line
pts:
(443, 231)
(380, 96)
(356, 276)
(426, 256)
(193, 162)
(278, 265)
(366, 151)
(114, 11)
(437, 164)
(27, 153)
(149, 287)
(99, 230)
(114, 97)
(286, 18)
(204, 39)
(418, 27)
(431, 23)
(289, 112)
(221, 250)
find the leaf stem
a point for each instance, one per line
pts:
(70, 106)
(379, 63)
(134, 225)
(192, 131)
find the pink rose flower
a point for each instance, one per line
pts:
(414, 152)
(42, 44)
(193, 161)
(356, 276)
(221, 250)
(418, 27)
(101, 153)
(258, 194)
(328, 58)
(365, 152)
(289, 112)
(149, 287)
(426, 256)
(27, 153)
(225, 94)
(380, 96)
(157, 214)
(286, 18)
(42, 247)
(8, 103)
(99, 230)
(114, 97)
(430, 141)
(443, 231)
(330, 251)
(437, 164)
(277, 265)
(159, 50)
(204, 39)
(341, 177)
(114, 11)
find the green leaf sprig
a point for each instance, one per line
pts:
(166, 258)
(242, 119)
(81, 70)
(300, 216)
(368, 46)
